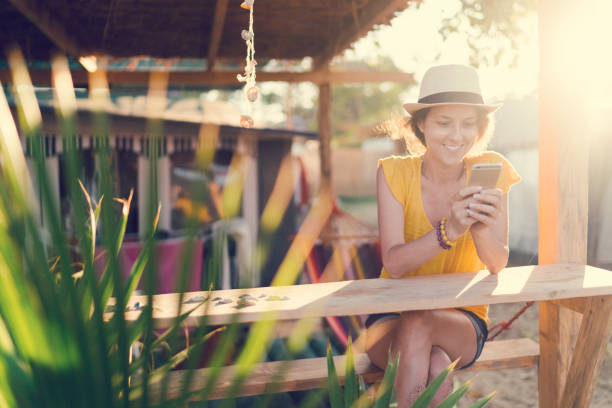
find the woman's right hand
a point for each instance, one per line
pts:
(460, 220)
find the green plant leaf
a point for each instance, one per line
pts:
(362, 386)
(350, 382)
(452, 399)
(142, 260)
(385, 390)
(428, 394)
(333, 386)
(484, 401)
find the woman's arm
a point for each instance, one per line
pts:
(490, 233)
(399, 257)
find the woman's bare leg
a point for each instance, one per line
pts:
(413, 335)
(438, 362)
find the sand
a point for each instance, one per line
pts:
(518, 388)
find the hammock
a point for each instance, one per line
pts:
(347, 249)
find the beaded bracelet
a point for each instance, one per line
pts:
(443, 240)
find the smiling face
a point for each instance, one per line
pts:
(450, 132)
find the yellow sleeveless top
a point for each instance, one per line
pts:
(403, 176)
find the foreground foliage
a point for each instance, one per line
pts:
(355, 394)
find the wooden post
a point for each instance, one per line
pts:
(563, 187)
(325, 134)
(144, 186)
(164, 167)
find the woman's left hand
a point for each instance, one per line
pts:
(485, 208)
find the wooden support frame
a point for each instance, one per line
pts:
(42, 18)
(216, 33)
(43, 77)
(325, 130)
(572, 346)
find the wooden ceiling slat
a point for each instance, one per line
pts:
(45, 22)
(43, 77)
(216, 33)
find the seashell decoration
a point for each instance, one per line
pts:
(248, 78)
(252, 94)
(246, 35)
(196, 299)
(246, 121)
(247, 4)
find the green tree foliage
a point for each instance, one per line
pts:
(357, 109)
(494, 28)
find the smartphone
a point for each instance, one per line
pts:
(485, 175)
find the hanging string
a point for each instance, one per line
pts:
(250, 89)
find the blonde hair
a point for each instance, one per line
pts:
(407, 128)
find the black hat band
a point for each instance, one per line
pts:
(453, 97)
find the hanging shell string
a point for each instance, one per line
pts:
(250, 89)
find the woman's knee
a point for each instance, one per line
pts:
(438, 362)
(416, 322)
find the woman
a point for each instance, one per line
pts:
(431, 222)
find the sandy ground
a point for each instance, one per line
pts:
(518, 388)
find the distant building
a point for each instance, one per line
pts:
(259, 152)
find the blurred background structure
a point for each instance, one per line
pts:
(324, 93)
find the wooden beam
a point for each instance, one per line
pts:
(576, 304)
(309, 373)
(216, 33)
(376, 12)
(41, 17)
(563, 186)
(589, 355)
(186, 78)
(324, 118)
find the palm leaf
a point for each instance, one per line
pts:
(333, 386)
(385, 390)
(428, 394)
(350, 384)
(484, 401)
(451, 400)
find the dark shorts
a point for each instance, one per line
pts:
(480, 326)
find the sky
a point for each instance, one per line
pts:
(429, 48)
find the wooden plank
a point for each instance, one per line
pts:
(43, 77)
(576, 304)
(589, 353)
(324, 118)
(563, 182)
(42, 18)
(312, 373)
(347, 298)
(216, 33)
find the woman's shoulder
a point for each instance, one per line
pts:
(398, 161)
(399, 174)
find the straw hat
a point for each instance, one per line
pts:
(450, 85)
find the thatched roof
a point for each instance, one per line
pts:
(284, 29)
